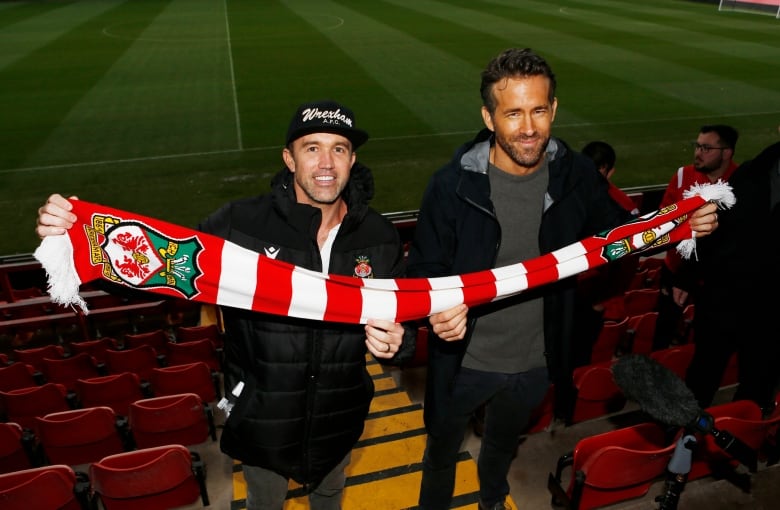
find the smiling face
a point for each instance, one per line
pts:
(321, 163)
(522, 122)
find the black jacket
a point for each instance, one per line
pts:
(457, 232)
(307, 391)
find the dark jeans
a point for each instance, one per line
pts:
(509, 400)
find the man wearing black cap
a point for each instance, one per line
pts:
(299, 390)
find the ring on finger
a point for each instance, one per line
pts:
(388, 348)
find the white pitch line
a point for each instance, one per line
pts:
(239, 134)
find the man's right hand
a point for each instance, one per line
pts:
(450, 324)
(54, 217)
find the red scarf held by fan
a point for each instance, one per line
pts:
(156, 256)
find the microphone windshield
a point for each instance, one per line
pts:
(657, 390)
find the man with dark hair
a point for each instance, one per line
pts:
(299, 389)
(735, 289)
(511, 194)
(713, 160)
(604, 157)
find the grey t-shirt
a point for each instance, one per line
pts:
(509, 337)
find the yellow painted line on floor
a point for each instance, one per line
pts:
(389, 401)
(384, 456)
(385, 383)
(385, 469)
(393, 424)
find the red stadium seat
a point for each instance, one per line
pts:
(140, 360)
(190, 333)
(641, 331)
(157, 339)
(19, 375)
(16, 448)
(95, 348)
(81, 436)
(25, 404)
(675, 358)
(613, 466)
(195, 350)
(116, 391)
(36, 355)
(173, 419)
(54, 487)
(67, 370)
(151, 478)
(743, 419)
(191, 378)
(597, 392)
(609, 341)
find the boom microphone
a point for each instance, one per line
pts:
(657, 390)
(666, 398)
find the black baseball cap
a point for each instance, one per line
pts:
(325, 117)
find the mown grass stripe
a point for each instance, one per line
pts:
(32, 109)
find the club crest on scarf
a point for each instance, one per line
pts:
(649, 238)
(363, 267)
(138, 256)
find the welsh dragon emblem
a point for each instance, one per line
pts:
(143, 258)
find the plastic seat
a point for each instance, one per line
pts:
(23, 405)
(157, 339)
(675, 358)
(66, 371)
(140, 360)
(19, 375)
(151, 479)
(191, 378)
(81, 436)
(54, 487)
(640, 301)
(36, 355)
(597, 392)
(638, 279)
(173, 419)
(641, 332)
(741, 418)
(95, 348)
(630, 303)
(16, 448)
(613, 466)
(609, 341)
(195, 350)
(190, 333)
(116, 391)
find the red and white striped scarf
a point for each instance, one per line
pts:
(160, 257)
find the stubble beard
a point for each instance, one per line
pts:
(526, 158)
(320, 196)
(704, 169)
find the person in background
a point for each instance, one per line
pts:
(734, 281)
(306, 390)
(599, 284)
(713, 160)
(511, 194)
(604, 157)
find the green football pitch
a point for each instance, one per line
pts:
(171, 107)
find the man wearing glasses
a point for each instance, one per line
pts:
(713, 153)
